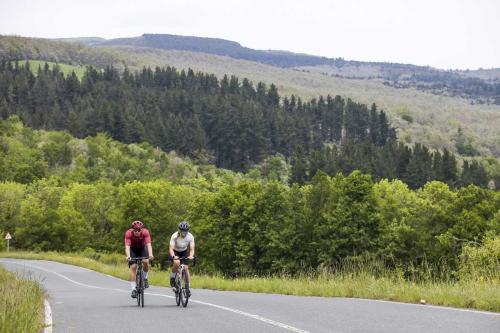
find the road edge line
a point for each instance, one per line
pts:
(48, 317)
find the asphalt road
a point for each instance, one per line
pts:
(86, 301)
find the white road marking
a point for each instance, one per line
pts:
(425, 306)
(246, 314)
(48, 317)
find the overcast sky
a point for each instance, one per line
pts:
(449, 34)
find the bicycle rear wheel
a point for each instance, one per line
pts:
(184, 290)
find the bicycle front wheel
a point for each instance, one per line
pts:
(178, 288)
(141, 294)
(184, 290)
(138, 288)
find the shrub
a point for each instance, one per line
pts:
(481, 262)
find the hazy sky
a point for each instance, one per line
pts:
(440, 33)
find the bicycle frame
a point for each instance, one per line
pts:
(181, 281)
(139, 280)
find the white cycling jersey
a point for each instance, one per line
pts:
(181, 244)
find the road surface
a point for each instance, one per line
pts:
(82, 300)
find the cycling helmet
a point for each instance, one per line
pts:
(184, 226)
(137, 225)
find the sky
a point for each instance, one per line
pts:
(447, 34)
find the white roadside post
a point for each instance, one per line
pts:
(8, 237)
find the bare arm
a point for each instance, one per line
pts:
(150, 250)
(171, 250)
(191, 250)
(127, 251)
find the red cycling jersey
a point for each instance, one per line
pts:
(133, 241)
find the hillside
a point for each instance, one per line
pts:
(430, 119)
(220, 47)
(433, 120)
(233, 125)
(440, 82)
(21, 48)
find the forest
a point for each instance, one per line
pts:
(232, 124)
(66, 194)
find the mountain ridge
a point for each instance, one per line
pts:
(146, 38)
(480, 87)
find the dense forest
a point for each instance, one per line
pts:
(57, 192)
(244, 224)
(232, 124)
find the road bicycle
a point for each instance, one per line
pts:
(181, 290)
(139, 280)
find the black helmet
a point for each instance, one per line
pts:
(184, 226)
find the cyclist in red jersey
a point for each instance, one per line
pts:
(138, 244)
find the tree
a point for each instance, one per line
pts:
(39, 225)
(298, 167)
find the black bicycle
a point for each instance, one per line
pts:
(181, 290)
(139, 280)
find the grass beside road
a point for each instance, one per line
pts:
(21, 305)
(475, 294)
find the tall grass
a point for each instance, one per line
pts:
(360, 279)
(21, 305)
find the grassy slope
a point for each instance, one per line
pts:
(484, 295)
(436, 118)
(65, 68)
(21, 307)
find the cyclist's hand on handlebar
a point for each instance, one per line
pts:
(151, 257)
(191, 257)
(128, 258)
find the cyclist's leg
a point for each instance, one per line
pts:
(186, 270)
(133, 267)
(133, 272)
(145, 266)
(175, 268)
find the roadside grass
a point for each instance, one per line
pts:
(21, 305)
(481, 294)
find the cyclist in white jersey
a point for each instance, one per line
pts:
(181, 246)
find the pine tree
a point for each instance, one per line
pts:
(374, 126)
(449, 168)
(299, 167)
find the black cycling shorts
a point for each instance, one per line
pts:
(181, 254)
(136, 252)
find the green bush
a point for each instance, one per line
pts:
(91, 253)
(481, 262)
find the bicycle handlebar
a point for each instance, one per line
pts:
(138, 258)
(185, 258)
